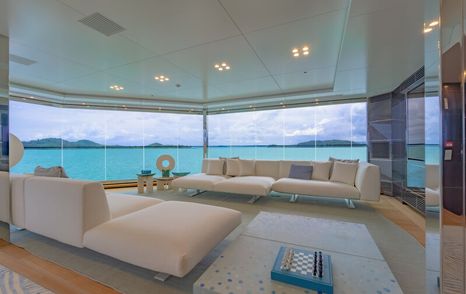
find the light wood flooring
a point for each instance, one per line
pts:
(62, 280)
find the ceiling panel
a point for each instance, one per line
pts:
(259, 14)
(144, 73)
(164, 26)
(323, 34)
(53, 27)
(183, 39)
(354, 80)
(53, 69)
(255, 87)
(307, 80)
(199, 61)
(99, 84)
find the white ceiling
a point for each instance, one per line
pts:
(358, 47)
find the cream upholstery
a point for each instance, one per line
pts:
(216, 167)
(232, 167)
(285, 166)
(171, 237)
(18, 204)
(315, 188)
(321, 170)
(368, 181)
(198, 181)
(272, 175)
(344, 172)
(268, 168)
(64, 209)
(249, 185)
(247, 167)
(123, 204)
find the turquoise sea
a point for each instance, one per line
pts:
(124, 163)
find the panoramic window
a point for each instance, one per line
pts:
(104, 144)
(309, 133)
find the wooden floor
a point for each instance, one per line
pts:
(47, 274)
(62, 280)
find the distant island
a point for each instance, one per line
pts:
(53, 143)
(330, 143)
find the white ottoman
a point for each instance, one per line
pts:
(170, 237)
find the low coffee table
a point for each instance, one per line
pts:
(147, 179)
(164, 183)
(244, 267)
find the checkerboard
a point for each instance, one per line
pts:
(303, 263)
(296, 266)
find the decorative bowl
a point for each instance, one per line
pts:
(180, 174)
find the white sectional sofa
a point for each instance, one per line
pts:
(167, 237)
(269, 175)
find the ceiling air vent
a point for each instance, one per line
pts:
(102, 24)
(21, 60)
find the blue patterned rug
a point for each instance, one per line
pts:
(13, 283)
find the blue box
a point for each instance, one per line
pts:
(301, 279)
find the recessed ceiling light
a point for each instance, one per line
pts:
(222, 66)
(303, 51)
(117, 87)
(434, 23)
(162, 78)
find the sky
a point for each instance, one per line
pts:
(282, 126)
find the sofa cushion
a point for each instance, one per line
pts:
(198, 181)
(315, 188)
(247, 167)
(18, 205)
(215, 167)
(302, 172)
(267, 168)
(321, 170)
(63, 209)
(333, 159)
(344, 172)
(285, 166)
(54, 171)
(249, 185)
(171, 237)
(232, 167)
(123, 204)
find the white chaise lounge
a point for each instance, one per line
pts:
(362, 183)
(167, 237)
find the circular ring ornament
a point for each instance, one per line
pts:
(162, 159)
(16, 150)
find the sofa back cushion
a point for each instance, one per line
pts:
(302, 172)
(215, 167)
(54, 171)
(321, 170)
(232, 167)
(247, 167)
(64, 209)
(18, 204)
(285, 166)
(344, 172)
(268, 168)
